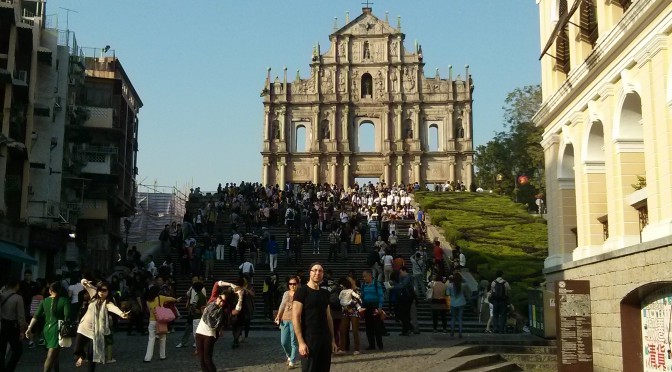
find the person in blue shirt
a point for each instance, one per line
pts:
(372, 299)
(456, 290)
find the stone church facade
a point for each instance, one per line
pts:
(367, 77)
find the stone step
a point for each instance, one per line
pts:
(460, 363)
(497, 367)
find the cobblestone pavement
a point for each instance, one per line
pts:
(261, 352)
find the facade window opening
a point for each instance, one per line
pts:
(367, 85)
(562, 42)
(300, 145)
(366, 138)
(588, 26)
(433, 138)
(366, 53)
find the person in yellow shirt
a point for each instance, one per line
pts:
(155, 300)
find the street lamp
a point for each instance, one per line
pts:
(514, 173)
(127, 227)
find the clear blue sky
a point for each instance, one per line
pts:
(199, 66)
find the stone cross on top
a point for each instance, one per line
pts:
(367, 4)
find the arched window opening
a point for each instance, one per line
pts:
(366, 137)
(588, 29)
(433, 138)
(630, 125)
(566, 169)
(595, 148)
(562, 42)
(367, 85)
(300, 144)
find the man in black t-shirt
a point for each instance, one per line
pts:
(313, 324)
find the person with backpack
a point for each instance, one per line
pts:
(405, 297)
(372, 298)
(499, 298)
(13, 322)
(215, 316)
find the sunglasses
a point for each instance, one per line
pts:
(292, 283)
(102, 290)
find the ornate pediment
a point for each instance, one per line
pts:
(367, 25)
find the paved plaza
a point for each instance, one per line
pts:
(262, 352)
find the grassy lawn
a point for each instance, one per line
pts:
(495, 234)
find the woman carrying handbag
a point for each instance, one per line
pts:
(159, 317)
(55, 309)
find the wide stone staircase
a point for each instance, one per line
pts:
(473, 355)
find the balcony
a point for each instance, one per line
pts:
(98, 158)
(100, 117)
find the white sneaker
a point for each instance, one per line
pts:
(179, 345)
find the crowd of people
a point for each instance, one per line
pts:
(318, 315)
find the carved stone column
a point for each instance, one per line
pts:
(398, 135)
(345, 129)
(346, 173)
(400, 168)
(468, 170)
(466, 122)
(332, 171)
(416, 172)
(283, 127)
(449, 131)
(264, 173)
(416, 123)
(315, 129)
(316, 171)
(451, 168)
(281, 172)
(267, 120)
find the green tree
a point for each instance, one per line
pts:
(517, 147)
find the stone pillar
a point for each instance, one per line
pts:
(316, 171)
(416, 123)
(315, 129)
(451, 168)
(400, 170)
(281, 119)
(332, 171)
(281, 170)
(332, 124)
(345, 129)
(469, 172)
(264, 173)
(466, 122)
(387, 173)
(416, 171)
(385, 124)
(346, 173)
(398, 131)
(267, 119)
(449, 130)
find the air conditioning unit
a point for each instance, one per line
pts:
(23, 75)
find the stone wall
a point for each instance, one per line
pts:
(612, 276)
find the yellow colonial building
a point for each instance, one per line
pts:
(606, 115)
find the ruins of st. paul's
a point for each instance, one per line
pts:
(422, 125)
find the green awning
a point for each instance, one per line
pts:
(14, 253)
